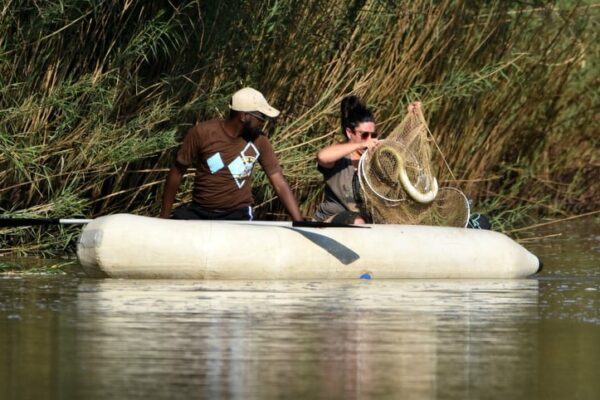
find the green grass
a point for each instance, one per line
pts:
(36, 266)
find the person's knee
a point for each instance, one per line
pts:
(359, 220)
(346, 217)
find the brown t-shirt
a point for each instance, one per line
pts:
(224, 165)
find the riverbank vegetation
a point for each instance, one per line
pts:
(96, 94)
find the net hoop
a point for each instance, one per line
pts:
(466, 201)
(363, 176)
(411, 190)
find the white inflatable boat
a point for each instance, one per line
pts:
(129, 246)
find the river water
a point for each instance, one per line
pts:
(72, 337)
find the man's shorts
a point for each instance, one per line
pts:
(193, 211)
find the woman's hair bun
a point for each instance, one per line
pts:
(353, 112)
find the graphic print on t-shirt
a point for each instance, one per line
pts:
(215, 163)
(241, 167)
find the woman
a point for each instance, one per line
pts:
(338, 164)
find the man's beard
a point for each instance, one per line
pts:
(250, 133)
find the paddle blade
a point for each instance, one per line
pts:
(15, 222)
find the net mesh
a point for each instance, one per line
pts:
(398, 185)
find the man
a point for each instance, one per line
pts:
(223, 153)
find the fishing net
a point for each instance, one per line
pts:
(398, 185)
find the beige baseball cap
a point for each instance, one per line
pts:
(249, 100)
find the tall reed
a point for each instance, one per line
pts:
(96, 94)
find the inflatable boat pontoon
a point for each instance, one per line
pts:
(129, 246)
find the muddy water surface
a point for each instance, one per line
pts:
(68, 336)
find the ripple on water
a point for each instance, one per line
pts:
(518, 339)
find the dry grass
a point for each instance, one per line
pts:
(94, 96)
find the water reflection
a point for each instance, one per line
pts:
(402, 339)
(64, 337)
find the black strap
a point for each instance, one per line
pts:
(320, 224)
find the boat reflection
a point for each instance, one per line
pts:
(333, 339)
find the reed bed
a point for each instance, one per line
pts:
(96, 94)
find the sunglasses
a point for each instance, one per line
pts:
(259, 116)
(365, 135)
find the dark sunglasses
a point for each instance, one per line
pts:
(365, 135)
(259, 116)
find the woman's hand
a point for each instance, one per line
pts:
(414, 106)
(371, 143)
(368, 144)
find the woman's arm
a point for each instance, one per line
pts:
(327, 156)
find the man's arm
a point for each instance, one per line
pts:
(285, 195)
(171, 185)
